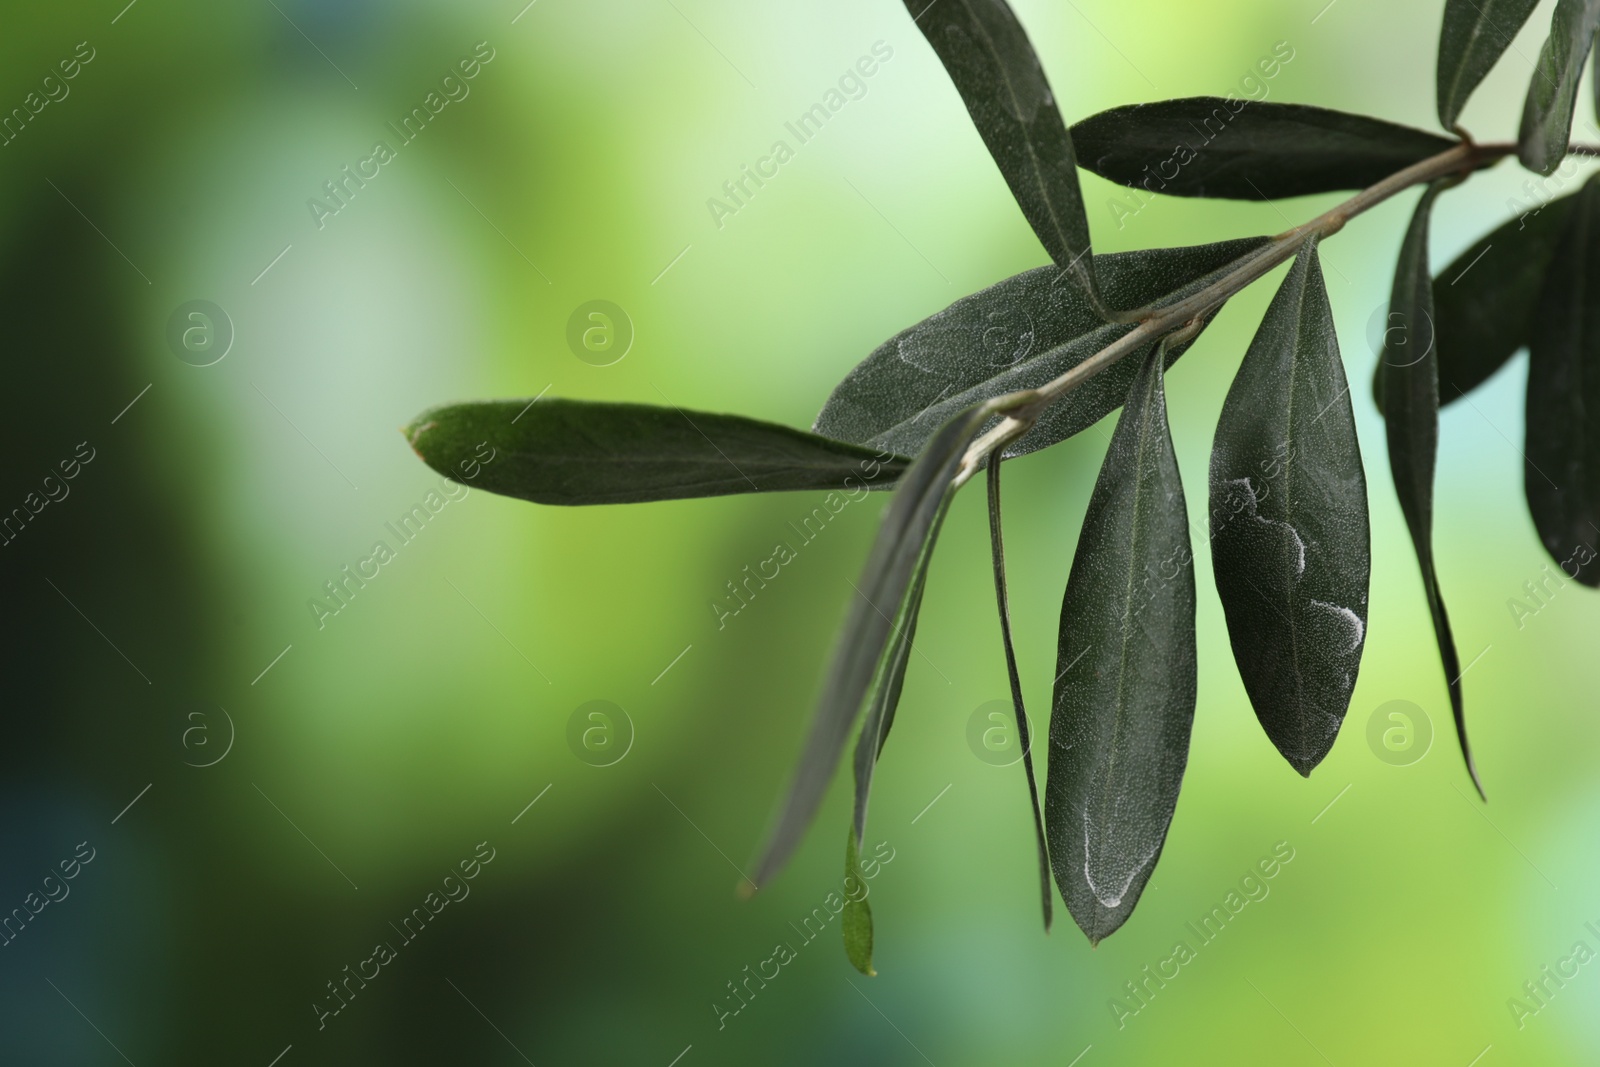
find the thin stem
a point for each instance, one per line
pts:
(1158, 321)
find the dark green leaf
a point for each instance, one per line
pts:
(885, 692)
(1410, 372)
(1562, 478)
(856, 921)
(1018, 334)
(1290, 544)
(1472, 39)
(1003, 601)
(1239, 150)
(1125, 687)
(1483, 303)
(905, 535)
(987, 55)
(578, 452)
(1547, 113)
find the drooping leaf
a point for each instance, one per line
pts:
(884, 695)
(1125, 691)
(1017, 334)
(1024, 737)
(1483, 302)
(1290, 543)
(1553, 89)
(1240, 150)
(905, 534)
(1410, 370)
(855, 922)
(986, 52)
(582, 452)
(1562, 475)
(1473, 37)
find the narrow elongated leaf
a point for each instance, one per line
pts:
(906, 533)
(885, 692)
(855, 923)
(1125, 691)
(1239, 150)
(1562, 476)
(1553, 89)
(987, 55)
(1017, 334)
(1290, 543)
(580, 452)
(1474, 35)
(1024, 738)
(1483, 302)
(1410, 369)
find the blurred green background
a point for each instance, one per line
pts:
(160, 617)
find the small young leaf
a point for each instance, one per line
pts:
(1290, 544)
(1003, 602)
(1125, 691)
(856, 920)
(1553, 90)
(1017, 334)
(905, 535)
(1474, 35)
(1239, 150)
(987, 55)
(1483, 303)
(1562, 474)
(580, 452)
(1410, 372)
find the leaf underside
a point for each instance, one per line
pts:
(909, 523)
(1553, 89)
(1562, 473)
(1290, 542)
(1409, 367)
(1017, 334)
(1240, 150)
(855, 922)
(1125, 692)
(1473, 37)
(986, 52)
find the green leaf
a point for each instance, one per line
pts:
(1125, 691)
(909, 525)
(1239, 150)
(1003, 602)
(856, 920)
(986, 52)
(579, 452)
(1410, 372)
(1483, 302)
(1562, 478)
(1018, 334)
(1547, 113)
(884, 695)
(1472, 39)
(1290, 544)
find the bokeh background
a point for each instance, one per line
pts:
(160, 621)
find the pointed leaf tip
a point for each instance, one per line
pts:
(1125, 691)
(1290, 542)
